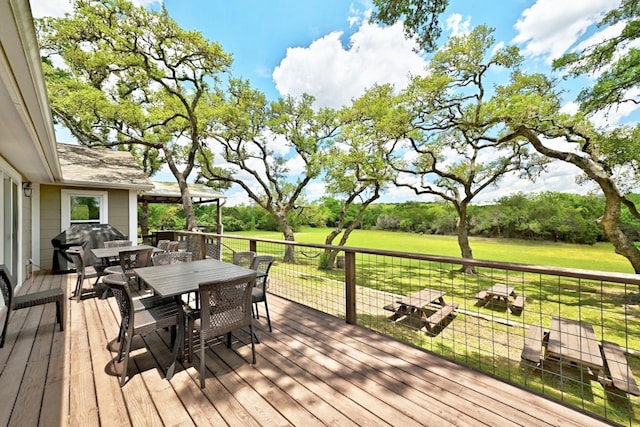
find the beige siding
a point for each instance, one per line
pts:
(119, 210)
(50, 218)
(49, 222)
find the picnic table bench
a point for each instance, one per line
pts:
(500, 291)
(533, 350)
(619, 371)
(413, 307)
(575, 342)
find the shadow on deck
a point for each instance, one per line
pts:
(313, 369)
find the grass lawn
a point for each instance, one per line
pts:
(600, 256)
(479, 336)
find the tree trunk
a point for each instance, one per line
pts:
(608, 223)
(289, 236)
(144, 219)
(187, 205)
(613, 198)
(463, 237)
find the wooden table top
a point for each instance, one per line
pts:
(574, 341)
(177, 279)
(115, 251)
(501, 290)
(421, 298)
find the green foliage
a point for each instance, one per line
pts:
(133, 79)
(80, 213)
(615, 60)
(420, 18)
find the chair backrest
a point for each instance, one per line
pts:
(79, 262)
(120, 288)
(262, 264)
(117, 243)
(172, 246)
(225, 305)
(163, 244)
(171, 258)
(134, 259)
(243, 259)
(6, 286)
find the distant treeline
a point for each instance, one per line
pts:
(545, 216)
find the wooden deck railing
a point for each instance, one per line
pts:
(490, 336)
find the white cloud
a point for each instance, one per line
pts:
(334, 75)
(457, 26)
(549, 27)
(57, 8)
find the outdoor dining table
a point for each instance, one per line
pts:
(114, 252)
(574, 341)
(174, 280)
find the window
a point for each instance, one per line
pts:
(84, 207)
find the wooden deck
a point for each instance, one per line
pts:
(312, 370)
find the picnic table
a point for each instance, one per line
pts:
(501, 291)
(413, 307)
(575, 342)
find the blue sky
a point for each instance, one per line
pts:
(327, 48)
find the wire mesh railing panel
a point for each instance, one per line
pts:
(568, 334)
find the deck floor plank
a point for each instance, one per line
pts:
(313, 369)
(83, 403)
(416, 390)
(112, 408)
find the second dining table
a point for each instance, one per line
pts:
(174, 280)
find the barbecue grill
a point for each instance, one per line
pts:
(88, 235)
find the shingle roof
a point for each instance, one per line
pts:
(169, 192)
(100, 167)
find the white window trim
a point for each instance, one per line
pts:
(7, 170)
(66, 202)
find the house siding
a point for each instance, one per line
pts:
(51, 217)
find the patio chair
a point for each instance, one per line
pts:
(12, 302)
(225, 307)
(116, 244)
(140, 322)
(129, 260)
(244, 259)
(83, 270)
(164, 258)
(163, 244)
(262, 264)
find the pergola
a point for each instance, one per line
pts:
(169, 192)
